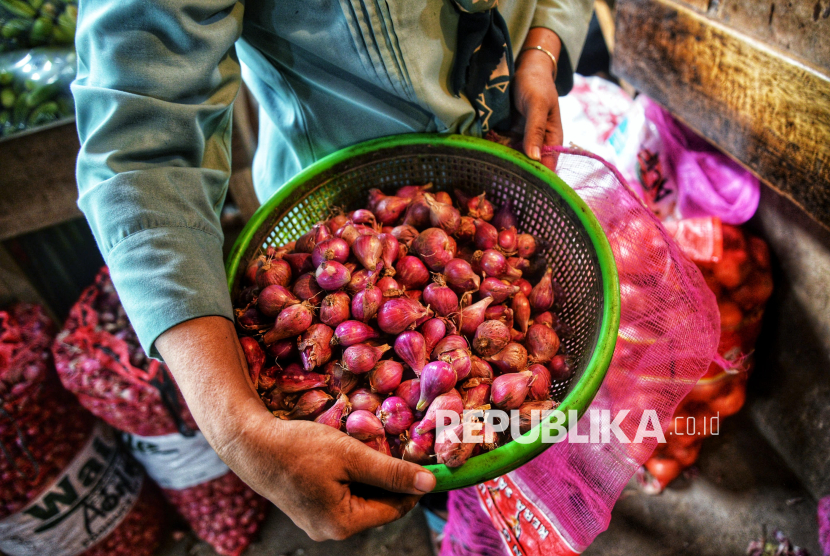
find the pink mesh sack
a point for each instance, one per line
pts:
(98, 357)
(66, 487)
(559, 502)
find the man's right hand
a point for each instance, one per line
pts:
(306, 469)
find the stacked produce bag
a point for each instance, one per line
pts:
(98, 357)
(66, 486)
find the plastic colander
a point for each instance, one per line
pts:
(571, 241)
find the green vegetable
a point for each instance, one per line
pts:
(41, 30)
(45, 113)
(6, 77)
(64, 34)
(42, 94)
(5, 115)
(36, 4)
(20, 110)
(18, 8)
(7, 97)
(15, 27)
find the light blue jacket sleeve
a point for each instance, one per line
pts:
(154, 92)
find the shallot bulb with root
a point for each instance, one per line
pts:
(473, 315)
(410, 390)
(434, 247)
(510, 390)
(353, 332)
(442, 215)
(275, 271)
(490, 338)
(437, 378)
(541, 298)
(540, 387)
(363, 398)
(449, 401)
(395, 415)
(335, 308)
(417, 447)
(274, 298)
(480, 207)
(254, 356)
(334, 415)
(385, 377)
(411, 347)
(332, 249)
(363, 425)
(511, 359)
(400, 313)
(361, 358)
(315, 346)
(460, 277)
(291, 322)
(441, 299)
(542, 343)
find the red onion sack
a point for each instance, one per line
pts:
(66, 487)
(98, 357)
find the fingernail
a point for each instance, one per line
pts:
(535, 154)
(424, 481)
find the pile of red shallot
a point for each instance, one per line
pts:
(376, 319)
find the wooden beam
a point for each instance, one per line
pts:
(767, 110)
(37, 181)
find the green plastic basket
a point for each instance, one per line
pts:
(572, 242)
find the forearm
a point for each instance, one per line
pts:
(209, 366)
(547, 39)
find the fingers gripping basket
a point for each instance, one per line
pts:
(572, 240)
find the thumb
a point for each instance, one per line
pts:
(535, 128)
(370, 467)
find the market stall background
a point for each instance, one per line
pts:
(769, 466)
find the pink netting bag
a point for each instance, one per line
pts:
(559, 502)
(98, 358)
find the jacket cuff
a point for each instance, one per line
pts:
(166, 276)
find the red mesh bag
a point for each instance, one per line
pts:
(737, 270)
(65, 485)
(560, 501)
(98, 357)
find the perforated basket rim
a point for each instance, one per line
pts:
(513, 454)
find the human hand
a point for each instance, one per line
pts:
(534, 92)
(312, 472)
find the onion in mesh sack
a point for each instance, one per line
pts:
(99, 359)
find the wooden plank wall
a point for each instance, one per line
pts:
(766, 106)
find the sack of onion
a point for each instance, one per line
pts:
(736, 267)
(374, 320)
(99, 359)
(53, 456)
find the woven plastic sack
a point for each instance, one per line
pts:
(560, 501)
(66, 487)
(738, 272)
(681, 175)
(98, 357)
